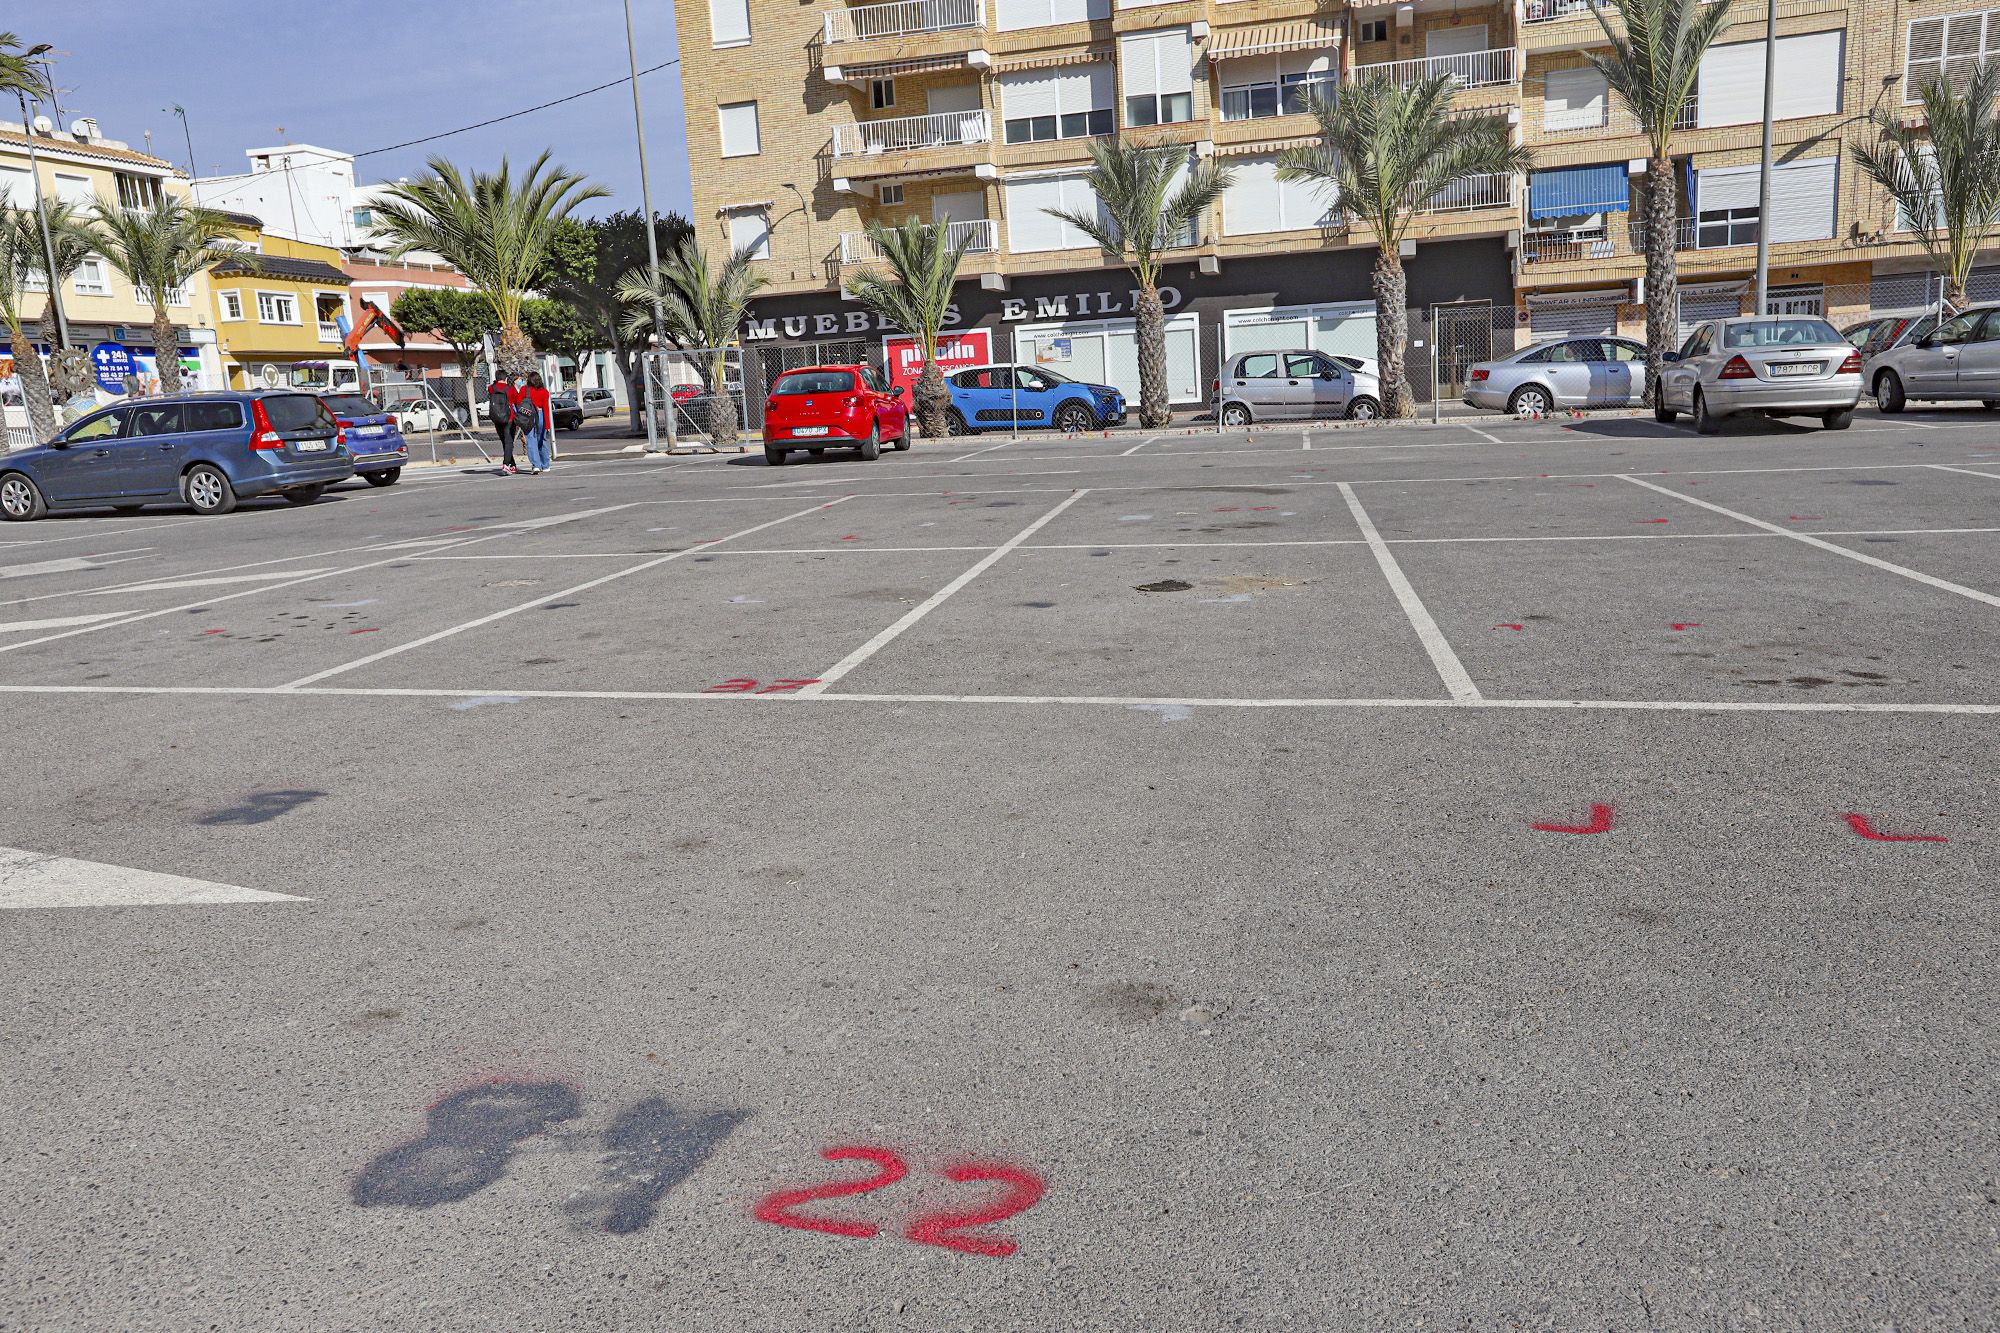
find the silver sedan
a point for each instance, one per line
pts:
(1780, 366)
(1568, 372)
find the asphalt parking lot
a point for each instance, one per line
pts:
(1498, 875)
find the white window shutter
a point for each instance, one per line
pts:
(1252, 203)
(751, 227)
(1732, 84)
(738, 123)
(1306, 62)
(729, 22)
(1726, 187)
(1028, 226)
(1809, 81)
(1138, 53)
(1099, 91)
(1009, 15)
(1029, 93)
(1573, 99)
(1174, 50)
(1802, 199)
(1078, 11)
(1305, 203)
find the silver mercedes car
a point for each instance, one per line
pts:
(1776, 365)
(1565, 372)
(1958, 360)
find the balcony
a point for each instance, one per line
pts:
(1615, 120)
(904, 18)
(909, 134)
(1569, 247)
(1265, 101)
(1474, 69)
(1551, 11)
(329, 332)
(1475, 192)
(980, 236)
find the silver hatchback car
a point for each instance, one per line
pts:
(1295, 384)
(1776, 365)
(1958, 360)
(1567, 372)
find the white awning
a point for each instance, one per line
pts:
(1302, 35)
(1052, 59)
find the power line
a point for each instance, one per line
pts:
(514, 115)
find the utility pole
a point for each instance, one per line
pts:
(187, 134)
(646, 362)
(1764, 172)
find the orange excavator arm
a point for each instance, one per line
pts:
(373, 317)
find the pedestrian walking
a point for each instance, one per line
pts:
(500, 399)
(537, 423)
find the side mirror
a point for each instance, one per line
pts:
(1328, 375)
(897, 392)
(1670, 356)
(1928, 340)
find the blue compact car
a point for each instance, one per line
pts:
(203, 450)
(996, 397)
(373, 437)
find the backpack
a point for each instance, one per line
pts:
(497, 404)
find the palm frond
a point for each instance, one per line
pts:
(162, 247)
(702, 304)
(1150, 197)
(1944, 172)
(1655, 63)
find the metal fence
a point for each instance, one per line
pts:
(700, 399)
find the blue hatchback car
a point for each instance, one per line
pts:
(995, 397)
(203, 450)
(373, 437)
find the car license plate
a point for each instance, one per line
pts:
(309, 446)
(1797, 368)
(809, 430)
(368, 430)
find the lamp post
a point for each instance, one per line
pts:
(1764, 171)
(187, 135)
(41, 213)
(652, 247)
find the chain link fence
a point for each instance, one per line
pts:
(700, 399)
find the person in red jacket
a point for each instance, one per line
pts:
(537, 423)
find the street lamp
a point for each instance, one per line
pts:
(41, 214)
(646, 363)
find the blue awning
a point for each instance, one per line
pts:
(1565, 191)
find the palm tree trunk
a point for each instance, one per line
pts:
(721, 405)
(514, 350)
(34, 383)
(1152, 321)
(1662, 283)
(166, 351)
(1392, 330)
(932, 400)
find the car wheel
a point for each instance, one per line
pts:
(773, 457)
(1666, 416)
(1530, 400)
(1840, 420)
(1705, 423)
(1889, 392)
(386, 477)
(207, 490)
(569, 423)
(1236, 414)
(303, 495)
(955, 423)
(1364, 408)
(1990, 404)
(871, 448)
(904, 440)
(20, 499)
(1075, 419)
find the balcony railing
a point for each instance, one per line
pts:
(1567, 247)
(1617, 119)
(947, 129)
(1290, 98)
(329, 332)
(1498, 191)
(980, 236)
(1548, 11)
(904, 18)
(1688, 235)
(1474, 69)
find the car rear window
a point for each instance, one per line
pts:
(1780, 333)
(213, 416)
(813, 381)
(349, 405)
(296, 411)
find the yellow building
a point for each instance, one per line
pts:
(106, 315)
(276, 309)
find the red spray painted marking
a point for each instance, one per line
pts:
(787, 686)
(1803, 518)
(1259, 509)
(1507, 626)
(850, 539)
(371, 630)
(1861, 826)
(1600, 822)
(1024, 1192)
(1653, 520)
(1687, 624)
(215, 631)
(738, 685)
(774, 1209)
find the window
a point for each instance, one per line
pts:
(873, 379)
(1261, 367)
(881, 93)
(739, 129)
(1029, 224)
(750, 228)
(17, 187)
(1949, 47)
(277, 308)
(1574, 99)
(1718, 227)
(1789, 332)
(1623, 351)
(1257, 201)
(1009, 15)
(231, 304)
(1731, 88)
(1058, 103)
(1158, 72)
(75, 190)
(155, 419)
(813, 381)
(1304, 366)
(364, 217)
(729, 22)
(212, 416)
(106, 427)
(1277, 85)
(889, 194)
(1802, 203)
(299, 411)
(91, 278)
(138, 191)
(1374, 30)
(1697, 343)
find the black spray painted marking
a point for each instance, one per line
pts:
(471, 1136)
(649, 1149)
(261, 807)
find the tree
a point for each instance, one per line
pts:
(556, 328)
(915, 296)
(460, 318)
(17, 69)
(160, 250)
(590, 286)
(73, 241)
(703, 306)
(1944, 173)
(1385, 151)
(1654, 69)
(494, 228)
(19, 237)
(1140, 217)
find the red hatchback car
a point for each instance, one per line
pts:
(833, 407)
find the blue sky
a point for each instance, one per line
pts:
(371, 73)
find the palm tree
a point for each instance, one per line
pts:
(924, 265)
(18, 239)
(703, 308)
(1945, 173)
(161, 249)
(493, 228)
(1385, 151)
(1139, 218)
(1654, 69)
(17, 69)
(72, 241)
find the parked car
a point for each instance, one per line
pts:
(824, 407)
(990, 397)
(1560, 373)
(572, 411)
(373, 436)
(1295, 384)
(204, 450)
(1773, 364)
(1367, 404)
(1957, 360)
(425, 407)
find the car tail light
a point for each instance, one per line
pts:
(1737, 369)
(1479, 375)
(395, 423)
(1851, 366)
(263, 436)
(340, 436)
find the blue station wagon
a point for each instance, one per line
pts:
(203, 450)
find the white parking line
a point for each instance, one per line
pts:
(1970, 472)
(586, 586)
(1449, 668)
(1490, 439)
(1137, 447)
(1918, 576)
(976, 452)
(931, 603)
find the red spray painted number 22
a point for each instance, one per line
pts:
(1024, 1191)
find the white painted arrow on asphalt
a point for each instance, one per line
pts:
(58, 622)
(29, 879)
(74, 564)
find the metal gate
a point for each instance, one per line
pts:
(1462, 335)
